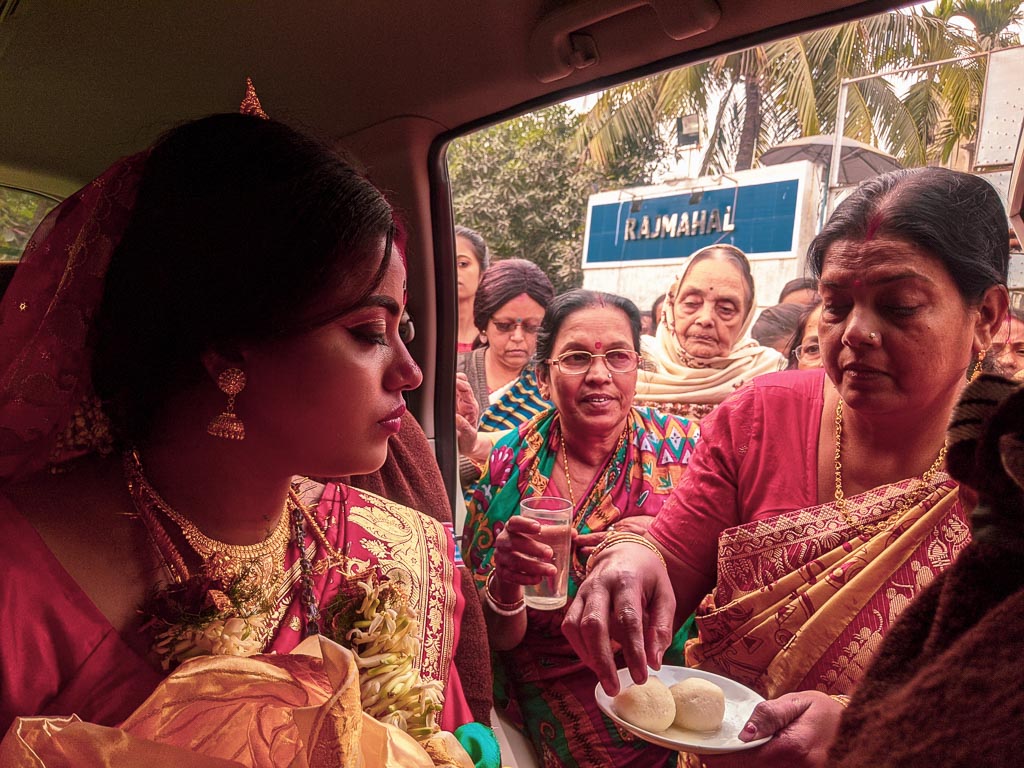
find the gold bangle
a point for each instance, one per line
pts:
(479, 465)
(503, 608)
(620, 537)
(842, 698)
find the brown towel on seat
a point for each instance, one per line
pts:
(410, 476)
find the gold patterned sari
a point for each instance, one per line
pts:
(803, 599)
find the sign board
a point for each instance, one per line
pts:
(637, 239)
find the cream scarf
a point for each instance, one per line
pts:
(678, 378)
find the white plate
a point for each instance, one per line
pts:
(739, 703)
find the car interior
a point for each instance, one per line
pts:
(391, 83)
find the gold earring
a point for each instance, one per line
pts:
(977, 366)
(227, 424)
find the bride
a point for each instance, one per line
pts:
(187, 338)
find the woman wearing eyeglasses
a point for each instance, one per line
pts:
(806, 347)
(508, 310)
(616, 463)
(496, 387)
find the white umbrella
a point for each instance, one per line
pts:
(858, 161)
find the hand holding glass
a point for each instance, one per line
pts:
(555, 517)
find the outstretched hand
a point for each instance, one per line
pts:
(803, 724)
(627, 599)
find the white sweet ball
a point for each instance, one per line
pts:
(700, 704)
(648, 706)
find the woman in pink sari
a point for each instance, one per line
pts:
(187, 335)
(816, 506)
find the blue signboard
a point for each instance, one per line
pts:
(759, 218)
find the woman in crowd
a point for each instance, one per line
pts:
(703, 351)
(508, 309)
(776, 327)
(498, 376)
(946, 688)
(1008, 348)
(176, 347)
(615, 463)
(471, 261)
(806, 344)
(818, 497)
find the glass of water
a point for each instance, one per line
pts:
(555, 517)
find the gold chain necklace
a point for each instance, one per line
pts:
(259, 565)
(872, 528)
(565, 466)
(565, 459)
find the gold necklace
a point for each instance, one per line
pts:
(565, 466)
(565, 459)
(872, 528)
(258, 566)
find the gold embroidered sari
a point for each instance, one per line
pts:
(803, 599)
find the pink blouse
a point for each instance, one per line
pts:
(58, 653)
(757, 457)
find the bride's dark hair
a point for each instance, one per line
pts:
(240, 223)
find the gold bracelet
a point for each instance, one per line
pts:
(842, 698)
(500, 607)
(620, 537)
(480, 466)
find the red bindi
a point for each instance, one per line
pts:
(597, 345)
(857, 283)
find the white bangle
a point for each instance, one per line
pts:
(502, 611)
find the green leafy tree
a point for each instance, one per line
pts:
(945, 104)
(755, 98)
(523, 184)
(20, 214)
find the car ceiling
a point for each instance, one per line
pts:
(84, 83)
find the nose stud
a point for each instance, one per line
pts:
(873, 336)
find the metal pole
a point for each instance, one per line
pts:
(837, 147)
(929, 65)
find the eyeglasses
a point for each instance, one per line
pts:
(406, 330)
(576, 363)
(808, 352)
(530, 327)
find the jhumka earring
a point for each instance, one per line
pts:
(227, 424)
(977, 366)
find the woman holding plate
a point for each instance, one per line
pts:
(816, 505)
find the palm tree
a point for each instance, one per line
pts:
(945, 104)
(790, 88)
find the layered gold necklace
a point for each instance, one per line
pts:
(872, 528)
(255, 568)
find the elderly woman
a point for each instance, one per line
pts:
(703, 351)
(817, 497)
(471, 261)
(615, 463)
